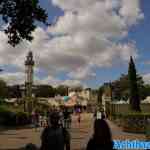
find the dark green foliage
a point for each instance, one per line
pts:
(22, 118)
(133, 87)
(144, 91)
(62, 90)
(100, 93)
(21, 15)
(121, 88)
(3, 89)
(9, 117)
(134, 122)
(44, 91)
(14, 91)
(49, 91)
(78, 88)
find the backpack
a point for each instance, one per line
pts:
(54, 138)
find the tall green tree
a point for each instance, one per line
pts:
(3, 90)
(21, 17)
(133, 87)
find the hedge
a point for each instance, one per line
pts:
(132, 121)
(9, 117)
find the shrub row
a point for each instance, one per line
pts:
(132, 121)
(11, 118)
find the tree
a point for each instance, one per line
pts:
(144, 91)
(121, 88)
(3, 90)
(100, 93)
(133, 87)
(14, 91)
(77, 88)
(62, 90)
(21, 17)
(45, 91)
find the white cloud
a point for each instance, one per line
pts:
(130, 11)
(84, 37)
(146, 78)
(19, 78)
(89, 30)
(56, 82)
(73, 83)
(48, 80)
(146, 62)
(82, 74)
(13, 78)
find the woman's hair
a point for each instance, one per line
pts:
(102, 132)
(54, 118)
(30, 146)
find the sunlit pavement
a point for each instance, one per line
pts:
(80, 134)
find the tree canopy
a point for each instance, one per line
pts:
(62, 90)
(3, 90)
(20, 17)
(100, 93)
(44, 91)
(121, 90)
(14, 91)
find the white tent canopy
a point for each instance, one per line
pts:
(53, 103)
(120, 102)
(147, 100)
(12, 100)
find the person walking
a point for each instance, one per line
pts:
(54, 137)
(35, 120)
(79, 118)
(61, 120)
(102, 138)
(66, 115)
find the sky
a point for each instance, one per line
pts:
(89, 43)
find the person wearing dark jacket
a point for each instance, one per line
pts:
(54, 137)
(102, 138)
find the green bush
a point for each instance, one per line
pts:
(132, 121)
(22, 118)
(136, 121)
(116, 116)
(7, 117)
(10, 117)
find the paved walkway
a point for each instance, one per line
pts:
(15, 139)
(80, 134)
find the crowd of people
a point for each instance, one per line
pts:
(56, 135)
(40, 120)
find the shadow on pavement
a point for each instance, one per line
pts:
(3, 133)
(13, 149)
(16, 127)
(16, 149)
